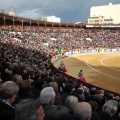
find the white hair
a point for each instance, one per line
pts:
(27, 109)
(71, 102)
(46, 95)
(110, 107)
(83, 111)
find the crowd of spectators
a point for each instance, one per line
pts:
(32, 89)
(67, 38)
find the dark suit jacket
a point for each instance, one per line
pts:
(6, 112)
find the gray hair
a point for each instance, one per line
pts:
(110, 107)
(71, 102)
(27, 110)
(46, 95)
(8, 89)
(83, 111)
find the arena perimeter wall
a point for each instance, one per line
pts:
(72, 52)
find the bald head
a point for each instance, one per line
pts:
(83, 111)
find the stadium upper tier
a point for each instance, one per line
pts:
(6, 19)
(17, 20)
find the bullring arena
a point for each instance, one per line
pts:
(99, 69)
(31, 69)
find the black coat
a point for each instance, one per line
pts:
(105, 116)
(95, 116)
(6, 112)
(102, 116)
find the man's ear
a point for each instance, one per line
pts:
(52, 101)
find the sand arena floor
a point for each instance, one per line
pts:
(99, 69)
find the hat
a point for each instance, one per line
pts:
(46, 95)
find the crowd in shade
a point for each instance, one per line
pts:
(32, 89)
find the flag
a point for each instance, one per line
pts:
(101, 50)
(59, 51)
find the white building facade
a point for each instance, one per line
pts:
(109, 11)
(51, 19)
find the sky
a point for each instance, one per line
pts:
(67, 10)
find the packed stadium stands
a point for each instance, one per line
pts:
(25, 63)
